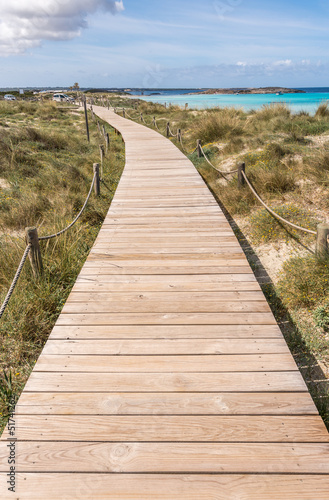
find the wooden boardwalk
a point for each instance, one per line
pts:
(166, 375)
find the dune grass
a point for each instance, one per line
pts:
(46, 168)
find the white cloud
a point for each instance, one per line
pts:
(26, 23)
(287, 62)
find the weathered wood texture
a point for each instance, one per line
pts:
(166, 375)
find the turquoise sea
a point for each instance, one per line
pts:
(297, 102)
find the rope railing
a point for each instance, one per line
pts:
(171, 132)
(32, 234)
(222, 172)
(42, 238)
(33, 245)
(15, 280)
(277, 216)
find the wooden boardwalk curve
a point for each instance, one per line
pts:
(166, 375)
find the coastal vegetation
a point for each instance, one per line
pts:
(287, 161)
(46, 168)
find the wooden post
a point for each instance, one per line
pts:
(115, 110)
(35, 253)
(154, 122)
(123, 112)
(142, 119)
(97, 184)
(168, 127)
(241, 179)
(92, 113)
(198, 147)
(179, 134)
(99, 128)
(322, 249)
(104, 131)
(107, 139)
(108, 104)
(102, 154)
(86, 118)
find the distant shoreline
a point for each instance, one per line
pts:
(243, 91)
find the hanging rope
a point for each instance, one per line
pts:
(77, 217)
(221, 172)
(277, 216)
(15, 280)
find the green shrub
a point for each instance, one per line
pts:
(323, 110)
(273, 110)
(265, 228)
(304, 281)
(321, 316)
(216, 125)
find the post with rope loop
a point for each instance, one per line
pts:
(97, 179)
(92, 113)
(322, 233)
(199, 148)
(86, 117)
(142, 119)
(168, 129)
(108, 104)
(179, 135)
(32, 239)
(104, 131)
(154, 123)
(123, 112)
(241, 179)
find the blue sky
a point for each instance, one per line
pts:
(214, 43)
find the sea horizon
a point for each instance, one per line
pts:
(297, 102)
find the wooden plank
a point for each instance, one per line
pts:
(166, 382)
(93, 285)
(103, 262)
(163, 254)
(55, 486)
(94, 332)
(165, 364)
(121, 267)
(168, 346)
(183, 403)
(187, 428)
(247, 318)
(137, 250)
(169, 295)
(173, 279)
(112, 306)
(274, 458)
(125, 211)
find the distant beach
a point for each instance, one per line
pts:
(307, 101)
